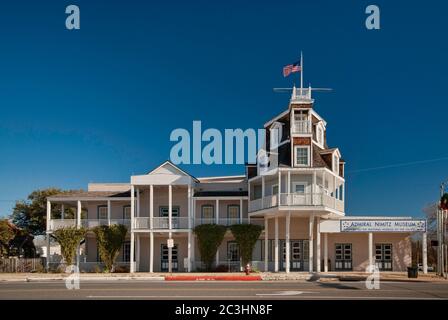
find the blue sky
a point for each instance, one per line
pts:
(98, 104)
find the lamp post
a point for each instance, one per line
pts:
(441, 230)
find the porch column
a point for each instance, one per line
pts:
(189, 251)
(325, 252)
(370, 249)
(266, 244)
(132, 265)
(78, 214)
(151, 252)
(313, 187)
(318, 267)
(288, 188)
(137, 258)
(424, 253)
(193, 259)
(241, 210)
(276, 246)
(138, 202)
(151, 207)
(311, 247)
(217, 222)
(262, 192)
(288, 221)
(279, 186)
(170, 221)
(47, 261)
(190, 227)
(108, 212)
(62, 211)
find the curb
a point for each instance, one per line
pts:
(213, 278)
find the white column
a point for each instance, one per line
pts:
(325, 252)
(47, 261)
(370, 249)
(170, 206)
(138, 202)
(189, 251)
(266, 244)
(48, 216)
(62, 211)
(313, 187)
(193, 263)
(241, 210)
(288, 252)
(318, 267)
(425, 253)
(151, 252)
(288, 189)
(137, 249)
(151, 206)
(170, 223)
(311, 247)
(217, 212)
(276, 245)
(279, 186)
(78, 213)
(108, 212)
(262, 192)
(132, 264)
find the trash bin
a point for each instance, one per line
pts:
(412, 272)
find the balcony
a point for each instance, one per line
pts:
(161, 223)
(228, 221)
(297, 200)
(301, 127)
(56, 224)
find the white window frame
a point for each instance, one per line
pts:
(272, 189)
(335, 163)
(301, 183)
(295, 156)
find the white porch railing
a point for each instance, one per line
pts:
(161, 223)
(56, 224)
(297, 199)
(229, 222)
(301, 126)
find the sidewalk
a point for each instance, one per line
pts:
(236, 276)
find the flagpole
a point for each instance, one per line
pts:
(301, 73)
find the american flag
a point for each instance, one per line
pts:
(290, 68)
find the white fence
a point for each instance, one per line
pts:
(21, 264)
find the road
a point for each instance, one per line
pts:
(262, 290)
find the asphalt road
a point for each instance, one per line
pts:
(263, 290)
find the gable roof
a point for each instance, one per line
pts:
(168, 162)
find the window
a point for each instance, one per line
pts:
(164, 254)
(275, 189)
(335, 164)
(233, 212)
(127, 212)
(302, 157)
(126, 256)
(102, 212)
(257, 192)
(276, 133)
(233, 251)
(319, 134)
(383, 256)
(299, 187)
(164, 211)
(207, 212)
(343, 256)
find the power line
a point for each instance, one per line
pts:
(397, 165)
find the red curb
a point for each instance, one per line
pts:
(212, 278)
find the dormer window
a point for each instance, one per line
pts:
(276, 135)
(335, 163)
(302, 156)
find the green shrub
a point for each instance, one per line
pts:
(246, 235)
(110, 240)
(210, 237)
(69, 238)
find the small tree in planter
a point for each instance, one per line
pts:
(210, 237)
(246, 235)
(110, 240)
(69, 239)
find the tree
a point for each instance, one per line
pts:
(110, 240)
(210, 237)
(246, 235)
(7, 233)
(69, 238)
(30, 215)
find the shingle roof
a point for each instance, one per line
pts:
(92, 194)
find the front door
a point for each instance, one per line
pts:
(165, 259)
(383, 256)
(343, 257)
(299, 252)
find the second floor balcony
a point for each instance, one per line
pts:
(56, 224)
